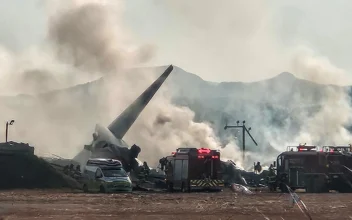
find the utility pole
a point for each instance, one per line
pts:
(7, 127)
(244, 130)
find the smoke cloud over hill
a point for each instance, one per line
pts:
(87, 40)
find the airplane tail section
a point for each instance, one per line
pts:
(124, 121)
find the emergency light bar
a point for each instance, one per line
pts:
(306, 148)
(204, 151)
(212, 157)
(302, 148)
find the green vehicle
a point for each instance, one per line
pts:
(105, 175)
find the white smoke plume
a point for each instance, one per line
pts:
(328, 125)
(87, 40)
(241, 40)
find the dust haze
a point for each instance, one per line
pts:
(242, 42)
(223, 39)
(87, 40)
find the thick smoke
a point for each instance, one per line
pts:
(241, 41)
(320, 116)
(328, 125)
(230, 40)
(85, 41)
(162, 127)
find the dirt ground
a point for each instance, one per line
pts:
(55, 204)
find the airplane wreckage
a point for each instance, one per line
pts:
(108, 143)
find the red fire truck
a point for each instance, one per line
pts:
(191, 169)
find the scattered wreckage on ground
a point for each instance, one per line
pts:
(108, 143)
(186, 170)
(315, 171)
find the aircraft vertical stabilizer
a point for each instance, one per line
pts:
(124, 121)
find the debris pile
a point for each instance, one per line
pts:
(241, 189)
(18, 170)
(16, 148)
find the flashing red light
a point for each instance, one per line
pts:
(173, 153)
(200, 157)
(215, 157)
(204, 151)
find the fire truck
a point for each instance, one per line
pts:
(293, 164)
(316, 171)
(190, 169)
(338, 165)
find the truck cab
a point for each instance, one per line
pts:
(105, 175)
(339, 164)
(299, 164)
(315, 170)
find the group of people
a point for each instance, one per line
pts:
(71, 171)
(258, 168)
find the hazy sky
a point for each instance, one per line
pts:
(225, 40)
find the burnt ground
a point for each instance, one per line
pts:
(59, 204)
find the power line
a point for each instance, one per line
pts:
(244, 130)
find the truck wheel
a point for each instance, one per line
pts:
(183, 187)
(170, 187)
(283, 188)
(271, 187)
(102, 189)
(85, 188)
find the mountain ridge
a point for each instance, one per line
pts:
(281, 77)
(269, 106)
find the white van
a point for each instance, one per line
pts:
(105, 175)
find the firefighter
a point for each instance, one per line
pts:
(66, 169)
(271, 178)
(146, 168)
(258, 168)
(141, 173)
(163, 163)
(78, 170)
(271, 170)
(169, 168)
(71, 170)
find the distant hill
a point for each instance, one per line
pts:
(272, 107)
